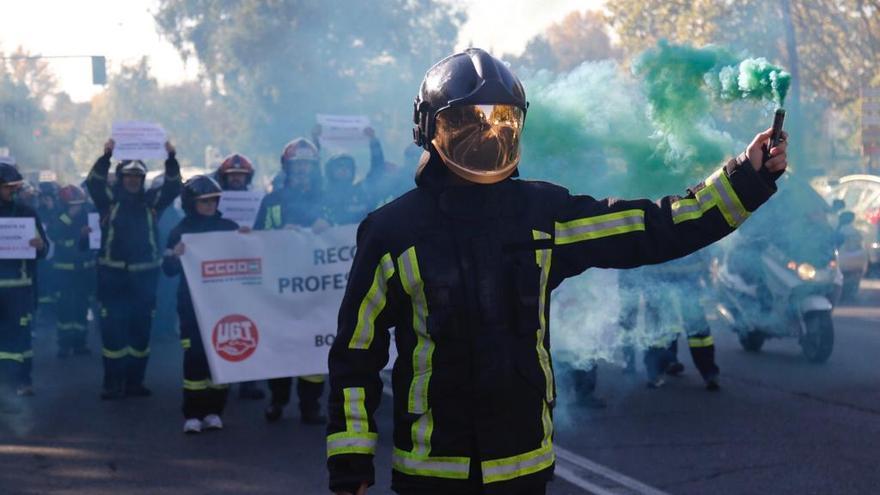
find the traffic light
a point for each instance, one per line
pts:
(99, 70)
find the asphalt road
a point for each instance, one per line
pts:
(780, 425)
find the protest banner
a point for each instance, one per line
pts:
(343, 131)
(267, 302)
(241, 206)
(95, 234)
(15, 237)
(138, 141)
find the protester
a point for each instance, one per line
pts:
(74, 266)
(203, 400)
(128, 266)
(17, 280)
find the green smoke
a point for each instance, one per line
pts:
(599, 129)
(605, 131)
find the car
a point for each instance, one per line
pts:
(861, 195)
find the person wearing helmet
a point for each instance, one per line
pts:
(295, 205)
(128, 266)
(235, 173)
(463, 267)
(345, 202)
(17, 277)
(203, 400)
(48, 209)
(74, 269)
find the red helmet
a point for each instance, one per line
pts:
(236, 164)
(72, 195)
(299, 149)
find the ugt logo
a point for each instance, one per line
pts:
(235, 338)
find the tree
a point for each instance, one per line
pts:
(24, 86)
(835, 41)
(276, 64)
(580, 37)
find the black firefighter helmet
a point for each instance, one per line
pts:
(196, 188)
(471, 110)
(9, 174)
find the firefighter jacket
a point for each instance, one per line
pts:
(21, 273)
(71, 244)
(129, 234)
(464, 275)
(191, 224)
(288, 206)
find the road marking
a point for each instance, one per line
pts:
(583, 473)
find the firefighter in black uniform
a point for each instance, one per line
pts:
(74, 266)
(235, 173)
(463, 267)
(296, 204)
(203, 400)
(128, 266)
(673, 306)
(17, 303)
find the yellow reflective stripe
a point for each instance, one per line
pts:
(729, 202)
(12, 356)
(139, 353)
(28, 354)
(523, 464)
(313, 378)
(544, 259)
(422, 358)
(69, 243)
(597, 227)
(701, 341)
(418, 462)
(195, 384)
(421, 432)
(718, 192)
(108, 245)
(71, 326)
(65, 219)
(372, 305)
(111, 354)
(355, 410)
(141, 267)
(185, 343)
(64, 266)
(346, 442)
(273, 217)
(151, 235)
(15, 282)
(110, 263)
(438, 467)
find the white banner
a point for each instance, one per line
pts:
(267, 301)
(138, 141)
(15, 237)
(241, 206)
(343, 131)
(95, 234)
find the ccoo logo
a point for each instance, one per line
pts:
(235, 338)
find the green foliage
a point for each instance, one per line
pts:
(275, 64)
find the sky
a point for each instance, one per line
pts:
(124, 31)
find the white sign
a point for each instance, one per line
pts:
(15, 237)
(138, 141)
(343, 131)
(95, 234)
(267, 302)
(241, 206)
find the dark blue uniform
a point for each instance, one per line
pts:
(128, 270)
(201, 396)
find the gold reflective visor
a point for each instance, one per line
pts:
(480, 143)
